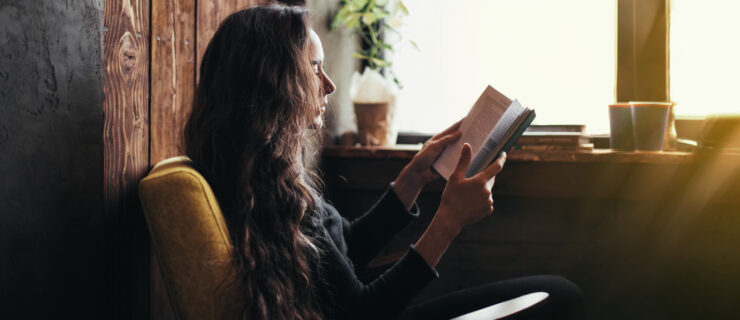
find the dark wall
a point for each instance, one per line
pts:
(650, 239)
(51, 157)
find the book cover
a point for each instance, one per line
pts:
(559, 138)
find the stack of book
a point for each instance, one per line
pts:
(549, 138)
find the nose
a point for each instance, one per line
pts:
(329, 86)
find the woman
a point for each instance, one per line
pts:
(258, 104)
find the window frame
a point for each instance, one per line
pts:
(642, 57)
(643, 28)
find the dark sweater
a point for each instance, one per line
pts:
(349, 247)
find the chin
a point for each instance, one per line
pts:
(317, 123)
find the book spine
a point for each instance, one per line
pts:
(569, 140)
(543, 147)
(516, 132)
(553, 147)
(579, 128)
(519, 131)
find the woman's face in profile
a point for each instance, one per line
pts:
(326, 86)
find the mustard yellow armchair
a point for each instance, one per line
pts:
(192, 244)
(194, 249)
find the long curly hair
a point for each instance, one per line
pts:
(255, 101)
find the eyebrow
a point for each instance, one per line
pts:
(315, 61)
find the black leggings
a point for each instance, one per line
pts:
(565, 300)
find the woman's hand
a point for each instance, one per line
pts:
(419, 171)
(467, 200)
(464, 201)
(421, 164)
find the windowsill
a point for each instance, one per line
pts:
(599, 174)
(597, 155)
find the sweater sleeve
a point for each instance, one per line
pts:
(368, 234)
(386, 296)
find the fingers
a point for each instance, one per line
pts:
(454, 127)
(444, 141)
(464, 162)
(434, 147)
(495, 167)
(490, 183)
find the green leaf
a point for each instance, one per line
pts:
(395, 79)
(339, 18)
(415, 45)
(356, 5)
(337, 22)
(360, 56)
(380, 13)
(403, 7)
(369, 18)
(379, 62)
(373, 34)
(353, 20)
(385, 46)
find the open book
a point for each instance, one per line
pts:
(492, 126)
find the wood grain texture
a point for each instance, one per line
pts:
(173, 82)
(126, 154)
(173, 74)
(178, 39)
(210, 15)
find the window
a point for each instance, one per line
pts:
(555, 56)
(705, 56)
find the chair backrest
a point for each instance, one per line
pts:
(191, 241)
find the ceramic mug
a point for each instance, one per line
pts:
(649, 120)
(620, 123)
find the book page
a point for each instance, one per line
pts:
(495, 139)
(476, 127)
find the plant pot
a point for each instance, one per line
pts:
(375, 124)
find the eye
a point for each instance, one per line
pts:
(316, 68)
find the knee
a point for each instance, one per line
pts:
(562, 286)
(565, 297)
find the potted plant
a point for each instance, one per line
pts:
(373, 92)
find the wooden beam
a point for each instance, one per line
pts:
(210, 15)
(642, 50)
(173, 74)
(173, 81)
(181, 30)
(126, 155)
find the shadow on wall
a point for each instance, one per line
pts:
(51, 159)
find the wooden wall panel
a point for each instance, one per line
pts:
(180, 32)
(126, 154)
(178, 39)
(173, 80)
(175, 54)
(210, 14)
(173, 74)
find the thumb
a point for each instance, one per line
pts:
(464, 162)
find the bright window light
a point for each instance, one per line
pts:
(705, 56)
(557, 57)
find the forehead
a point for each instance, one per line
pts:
(314, 46)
